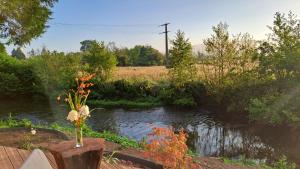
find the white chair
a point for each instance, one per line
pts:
(36, 160)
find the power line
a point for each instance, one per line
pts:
(101, 25)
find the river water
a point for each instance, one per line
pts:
(208, 134)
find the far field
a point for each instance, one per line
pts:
(156, 73)
(150, 72)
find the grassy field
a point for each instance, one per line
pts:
(154, 73)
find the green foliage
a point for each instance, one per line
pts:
(16, 77)
(262, 82)
(136, 103)
(189, 94)
(112, 137)
(139, 55)
(145, 93)
(242, 161)
(185, 102)
(275, 109)
(23, 20)
(227, 58)
(2, 49)
(87, 45)
(55, 71)
(280, 56)
(183, 65)
(122, 56)
(126, 89)
(145, 56)
(282, 163)
(12, 122)
(99, 59)
(17, 53)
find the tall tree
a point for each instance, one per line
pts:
(220, 48)
(87, 45)
(23, 20)
(227, 56)
(183, 63)
(148, 56)
(100, 60)
(280, 55)
(18, 53)
(122, 56)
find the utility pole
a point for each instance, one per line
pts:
(167, 43)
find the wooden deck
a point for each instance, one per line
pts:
(12, 158)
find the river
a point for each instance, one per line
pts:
(209, 134)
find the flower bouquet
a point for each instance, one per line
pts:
(79, 110)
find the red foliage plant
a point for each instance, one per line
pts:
(169, 149)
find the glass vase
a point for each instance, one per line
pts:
(79, 140)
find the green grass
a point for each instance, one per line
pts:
(281, 163)
(69, 130)
(241, 161)
(122, 103)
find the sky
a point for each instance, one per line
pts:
(133, 22)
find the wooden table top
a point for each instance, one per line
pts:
(67, 148)
(13, 158)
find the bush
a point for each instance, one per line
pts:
(189, 94)
(56, 72)
(16, 77)
(275, 109)
(282, 163)
(122, 89)
(161, 143)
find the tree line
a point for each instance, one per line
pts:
(139, 55)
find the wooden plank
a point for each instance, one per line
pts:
(51, 160)
(111, 166)
(119, 166)
(126, 167)
(23, 153)
(14, 157)
(4, 160)
(104, 165)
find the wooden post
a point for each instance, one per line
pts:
(87, 157)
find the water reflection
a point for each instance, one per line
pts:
(208, 135)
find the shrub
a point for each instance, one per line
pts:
(282, 163)
(189, 94)
(123, 89)
(275, 109)
(185, 102)
(16, 77)
(56, 71)
(169, 149)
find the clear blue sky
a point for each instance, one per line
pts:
(103, 19)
